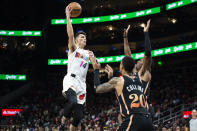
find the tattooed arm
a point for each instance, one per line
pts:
(105, 87)
(108, 86)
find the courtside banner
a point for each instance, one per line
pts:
(140, 55)
(186, 114)
(10, 112)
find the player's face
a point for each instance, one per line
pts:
(194, 113)
(139, 64)
(81, 40)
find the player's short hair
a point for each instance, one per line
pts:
(128, 63)
(194, 110)
(79, 32)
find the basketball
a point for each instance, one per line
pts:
(76, 9)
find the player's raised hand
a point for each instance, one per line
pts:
(126, 31)
(109, 71)
(68, 11)
(146, 28)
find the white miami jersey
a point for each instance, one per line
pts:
(78, 63)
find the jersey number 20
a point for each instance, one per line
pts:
(137, 101)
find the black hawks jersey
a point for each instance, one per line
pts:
(132, 99)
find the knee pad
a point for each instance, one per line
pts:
(73, 101)
(71, 96)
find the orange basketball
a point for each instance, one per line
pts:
(76, 9)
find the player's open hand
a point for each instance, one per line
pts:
(109, 71)
(126, 31)
(146, 28)
(68, 11)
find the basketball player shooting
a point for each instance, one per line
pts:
(74, 82)
(130, 91)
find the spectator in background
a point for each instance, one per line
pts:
(193, 121)
(178, 128)
(164, 129)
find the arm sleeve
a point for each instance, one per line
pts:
(147, 44)
(96, 78)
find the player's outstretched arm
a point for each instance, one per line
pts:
(147, 57)
(127, 50)
(71, 41)
(105, 87)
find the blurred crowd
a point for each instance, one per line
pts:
(43, 105)
(171, 87)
